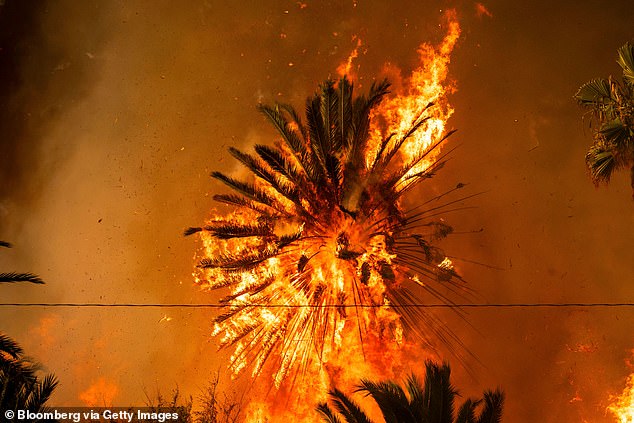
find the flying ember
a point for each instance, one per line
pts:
(323, 260)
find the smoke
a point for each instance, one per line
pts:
(115, 113)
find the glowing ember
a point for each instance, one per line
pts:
(623, 406)
(325, 266)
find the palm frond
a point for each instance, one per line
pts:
(257, 168)
(237, 262)
(345, 111)
(247, 189)
(295, 119)
(601, 162)
(230, 230)
(9, 347)
(191, 230)
(41, 393)
(616, 133)
(279, 163)
(626, 61)
(467, 412)
(362, 107)
(348, 408)
(493, 405)
(438, 393)
(12, 277)
(391, 399)
(327, 413)
(595, 93)
(280, 123)
(240, 201)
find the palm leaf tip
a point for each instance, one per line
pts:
(20, 277)
(9, 347)
(191, 231)
(601, 163)
(493, 406)
(327, 413)
(626, 61)
(594, 92)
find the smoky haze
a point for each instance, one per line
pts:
(114, 114)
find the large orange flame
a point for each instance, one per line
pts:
(428, 84)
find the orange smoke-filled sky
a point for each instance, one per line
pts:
(114, 114)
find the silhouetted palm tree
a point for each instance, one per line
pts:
(11, 277)
(612, 105)
(20, 386)
(432, 402)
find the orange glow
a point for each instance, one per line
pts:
(623, 407)
(100, 393)
(346, 69)
(481, 11)
(317, 312)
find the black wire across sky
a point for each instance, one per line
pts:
(220, 306)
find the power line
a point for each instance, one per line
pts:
(396, 306)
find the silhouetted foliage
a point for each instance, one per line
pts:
(11, 277)
(431, 402)
(21, 388)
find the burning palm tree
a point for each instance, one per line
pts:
(318, 250)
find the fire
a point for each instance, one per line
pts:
(623, 406)
(427, 85)
(322, 261)
(346, 69)
(101, 393)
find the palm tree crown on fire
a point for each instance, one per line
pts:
(317, 248)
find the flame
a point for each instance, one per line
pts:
(343, 266)
(345, 68)
(428, 84)
(623, 406)
(100, 393)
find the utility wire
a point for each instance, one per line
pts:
(396, 306)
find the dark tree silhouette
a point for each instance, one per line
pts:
(431, 402)
(20, 386)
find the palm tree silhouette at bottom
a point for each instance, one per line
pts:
(432, 402)
(21, 387)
